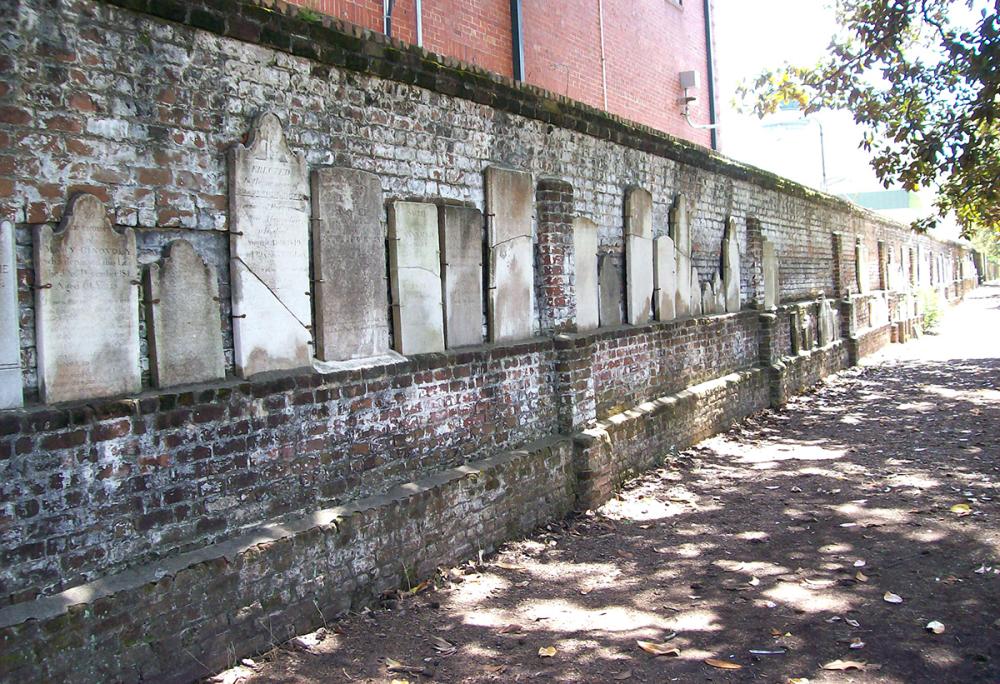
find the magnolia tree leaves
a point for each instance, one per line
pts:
(922, 78)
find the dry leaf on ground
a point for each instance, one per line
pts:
(723, 664)
(658, 649)
(889, 597)
(547, 651)
(844, 665)
(935, 627)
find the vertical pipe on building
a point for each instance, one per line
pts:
(604, 65)
(419, 9)
(517, 39)
(711, 73)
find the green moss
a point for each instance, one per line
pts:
(311, 16)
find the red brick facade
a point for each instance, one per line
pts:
(647, 43)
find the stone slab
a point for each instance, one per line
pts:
(86, 306)
(861, 267)
(11, 390)
(415, 278)
(349, 265)
(461, 241)
(586, 285)
(269, 251)
(639, 278)
(610, 285)
(731, 268)
(664, 278)
(688, 290)
(718, 288)
(639, 213)
(183, 319)
(707, 298)
(695, 302)
(770, 268)
(511, 297)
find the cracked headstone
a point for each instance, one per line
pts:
(664, 278)
(415, 278)
(86, 306)
(11, 390)
(639, 255)
(461, 237)
(183, 319)
(586, 282)
(269, 252)
(349, 266)
(510, 302)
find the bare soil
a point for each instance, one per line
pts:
(772, 547)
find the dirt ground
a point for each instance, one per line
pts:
(833, 530)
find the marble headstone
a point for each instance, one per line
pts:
(585, 265)
(610, 290)
(461, 238)
(708, 298)
(695, 304)
(510, 302)
(639, 255)
(415, 278)
(687, 288)
(828, 322)
(86, 306)
(269, 251)
(720, 293)
(731, 268)
(11, 395)
(861, 267)
(664, 278)
(183, 320)
(349, 266)
(770, 268)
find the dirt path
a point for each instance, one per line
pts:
(782, 536)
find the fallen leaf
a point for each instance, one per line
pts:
(547, 651)
(859, 564)
(510, 629)
(622, 676)
(935, 627)
(658, 649)
(396, 666)
(443, 646)
(400, 681)
(522, 585)
(495, 668)
(852, 623)
(860, 576)
(775, 632)
(857, 644)
(753, 582)
(798, 680)
(961, 509)
(889, 597)
(723, 664)
(844, 665)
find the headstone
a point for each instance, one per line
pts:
(415, 277)
(461, 242)
(610, 290)
(664, 278)
(795, 326)
(771, 292)
(639, 255)
(586, 283)
(349, 266)
(510, 303)
(680, 231)
(695, 304)
(707, 298)
(183, 321)
(11, 395)
(720, 294)
(731, 268)
(861, 266)
(86, 306)
(269, 251)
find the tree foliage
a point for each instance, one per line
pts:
(922, 78)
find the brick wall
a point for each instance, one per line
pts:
(139, 106)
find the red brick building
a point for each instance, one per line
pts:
(623, 56)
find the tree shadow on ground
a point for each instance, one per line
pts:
(781, 536)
